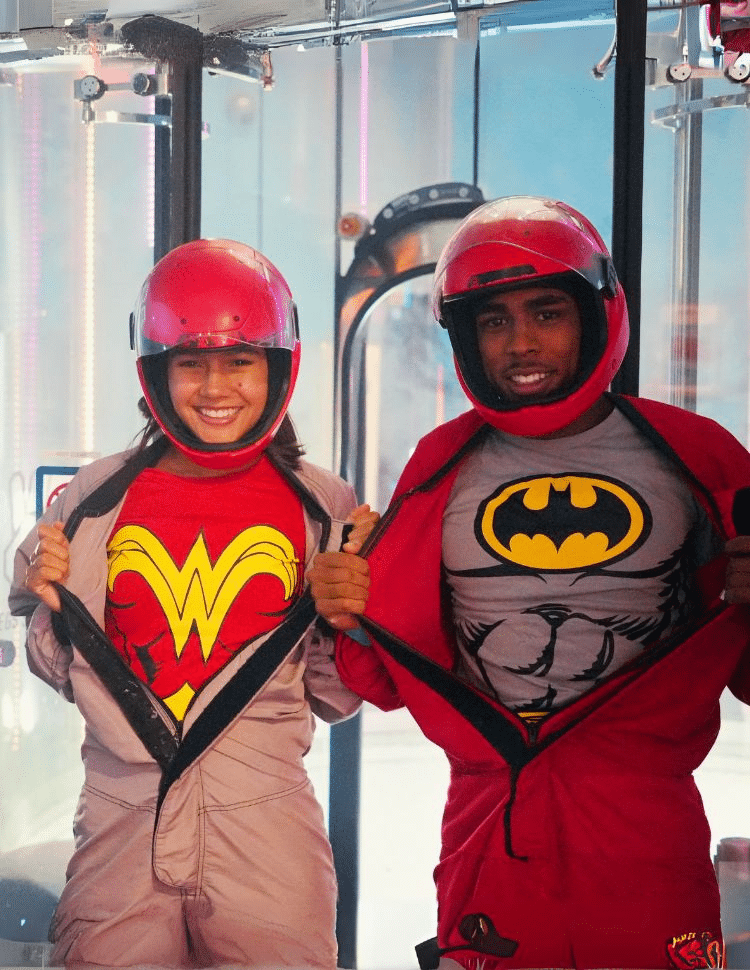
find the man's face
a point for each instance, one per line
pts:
(529, 341)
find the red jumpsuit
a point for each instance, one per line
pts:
(584, 844)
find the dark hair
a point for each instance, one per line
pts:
(284, 447)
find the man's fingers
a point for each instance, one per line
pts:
(339, 583)
(739, 546)
(363, 521)
(351, 593)
(340, 611)
(340, 615)
(338, 567)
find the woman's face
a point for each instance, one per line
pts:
(218, 394)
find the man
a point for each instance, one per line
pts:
(545, 594)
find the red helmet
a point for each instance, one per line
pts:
(527, 241)
(216, 293)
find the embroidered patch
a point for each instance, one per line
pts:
(697, 949)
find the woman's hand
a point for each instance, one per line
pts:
(49, 564)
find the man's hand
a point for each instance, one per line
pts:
(737, 582)
(49, 563)
(340, 581)
(363, 521)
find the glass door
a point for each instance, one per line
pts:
(695, 334)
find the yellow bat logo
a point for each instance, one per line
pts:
(200, 593)
(562, 524)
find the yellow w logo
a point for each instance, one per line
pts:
(199, 594)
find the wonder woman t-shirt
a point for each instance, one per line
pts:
(197, 567)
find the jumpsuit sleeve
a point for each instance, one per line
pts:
(328, 697)
(48, 655)
(48, 658)
(358, 663)
(360, 669)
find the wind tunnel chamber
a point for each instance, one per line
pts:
(394, 382)
(395, 369)
(293, 122)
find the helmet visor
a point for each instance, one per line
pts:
(218, 301)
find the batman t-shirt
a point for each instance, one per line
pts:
(565, 558)
(197, 568)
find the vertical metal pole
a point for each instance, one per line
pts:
(343, 822)
(627, 189)
(186, 84)
(10, 16)
(177, 175)
(466, 55)
(346, 738)
(477, 88)
(688, 127)
(337, 282)
(162, 184)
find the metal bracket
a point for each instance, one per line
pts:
(89, 116)
(673, 116)
(737, 72)
(91, 88)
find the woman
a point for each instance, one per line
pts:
(164, 591)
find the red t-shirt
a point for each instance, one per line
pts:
(197, 568)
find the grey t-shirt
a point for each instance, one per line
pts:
(566, 558)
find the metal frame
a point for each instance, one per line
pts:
(627, 174)
(177, 175)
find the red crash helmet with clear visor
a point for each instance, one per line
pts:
(524, 241)
(209, 294)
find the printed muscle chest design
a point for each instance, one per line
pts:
(578, 582)
(570, 522)
(195, 598)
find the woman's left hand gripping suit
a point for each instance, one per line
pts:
(205, 843)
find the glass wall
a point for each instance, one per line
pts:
(696, 294)
(77, 235)
(695, 280)
(511, 104)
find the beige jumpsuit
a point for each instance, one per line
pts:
(237, 867)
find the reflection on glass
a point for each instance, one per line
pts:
(75, 205)
(409, 382)
(696, 290)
